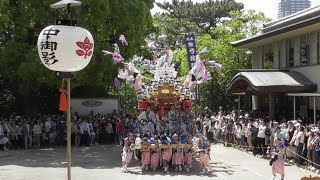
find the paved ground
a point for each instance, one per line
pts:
(103, 162)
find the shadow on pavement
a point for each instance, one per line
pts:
(93, 157)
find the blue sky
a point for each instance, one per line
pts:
(269, 7)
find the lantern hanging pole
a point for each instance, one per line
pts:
(68, 111)
(64, 72)
(68, 129)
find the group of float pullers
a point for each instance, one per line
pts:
(166, 147)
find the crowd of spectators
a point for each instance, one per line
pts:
(256, 134)
(245, 131)
(51, 130)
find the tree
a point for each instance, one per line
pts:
(240, 25)
(22, 21)
(202, 17)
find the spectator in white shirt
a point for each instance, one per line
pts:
(249, 133)
(262, 138)
(299, 141)
(47, 125)
(37, 131)
(239, 133)
(84, 130)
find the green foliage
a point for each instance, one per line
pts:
(22, 21)
(200, 17)
(240, 25)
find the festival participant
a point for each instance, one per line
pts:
(151, 116)
(173, 120)
(147, 121)
(172, 114)
(277, 161)
(203, 147)
(161, 113)
(145, 153)
(177, 154)
(155, 153)
(127, 152)
(188, 154)
(189, 120)
(166, 153)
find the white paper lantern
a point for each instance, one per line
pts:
(139, 97)
(188, 92)
(161, 82)
(192, 96)
(150, 89)
(166, 80)
(171, 82)
(155, 87)
(182, 90)
(177, 87)
(65, 48)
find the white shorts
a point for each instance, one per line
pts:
(127, 156)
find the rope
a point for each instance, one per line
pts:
(224, 142)
(303, 157)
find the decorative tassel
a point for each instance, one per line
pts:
(63, 98)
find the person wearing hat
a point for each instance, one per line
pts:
(315, 144)
(203, 148)
(177, 154)
(278, 158)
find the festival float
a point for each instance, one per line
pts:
(165, 92)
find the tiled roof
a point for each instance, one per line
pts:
(264, 82)
(293, 18)
(293, 22)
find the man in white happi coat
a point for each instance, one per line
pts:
(147, 121)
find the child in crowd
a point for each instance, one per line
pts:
(145, 153)
(166, 153)
(188, 154)
(177, 156)
(155, 153)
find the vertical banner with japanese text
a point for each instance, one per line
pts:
(190, 39)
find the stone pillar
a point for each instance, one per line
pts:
(276, 55)
(283, 54)
(255, 102)
(312, 42)
(296, 46)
